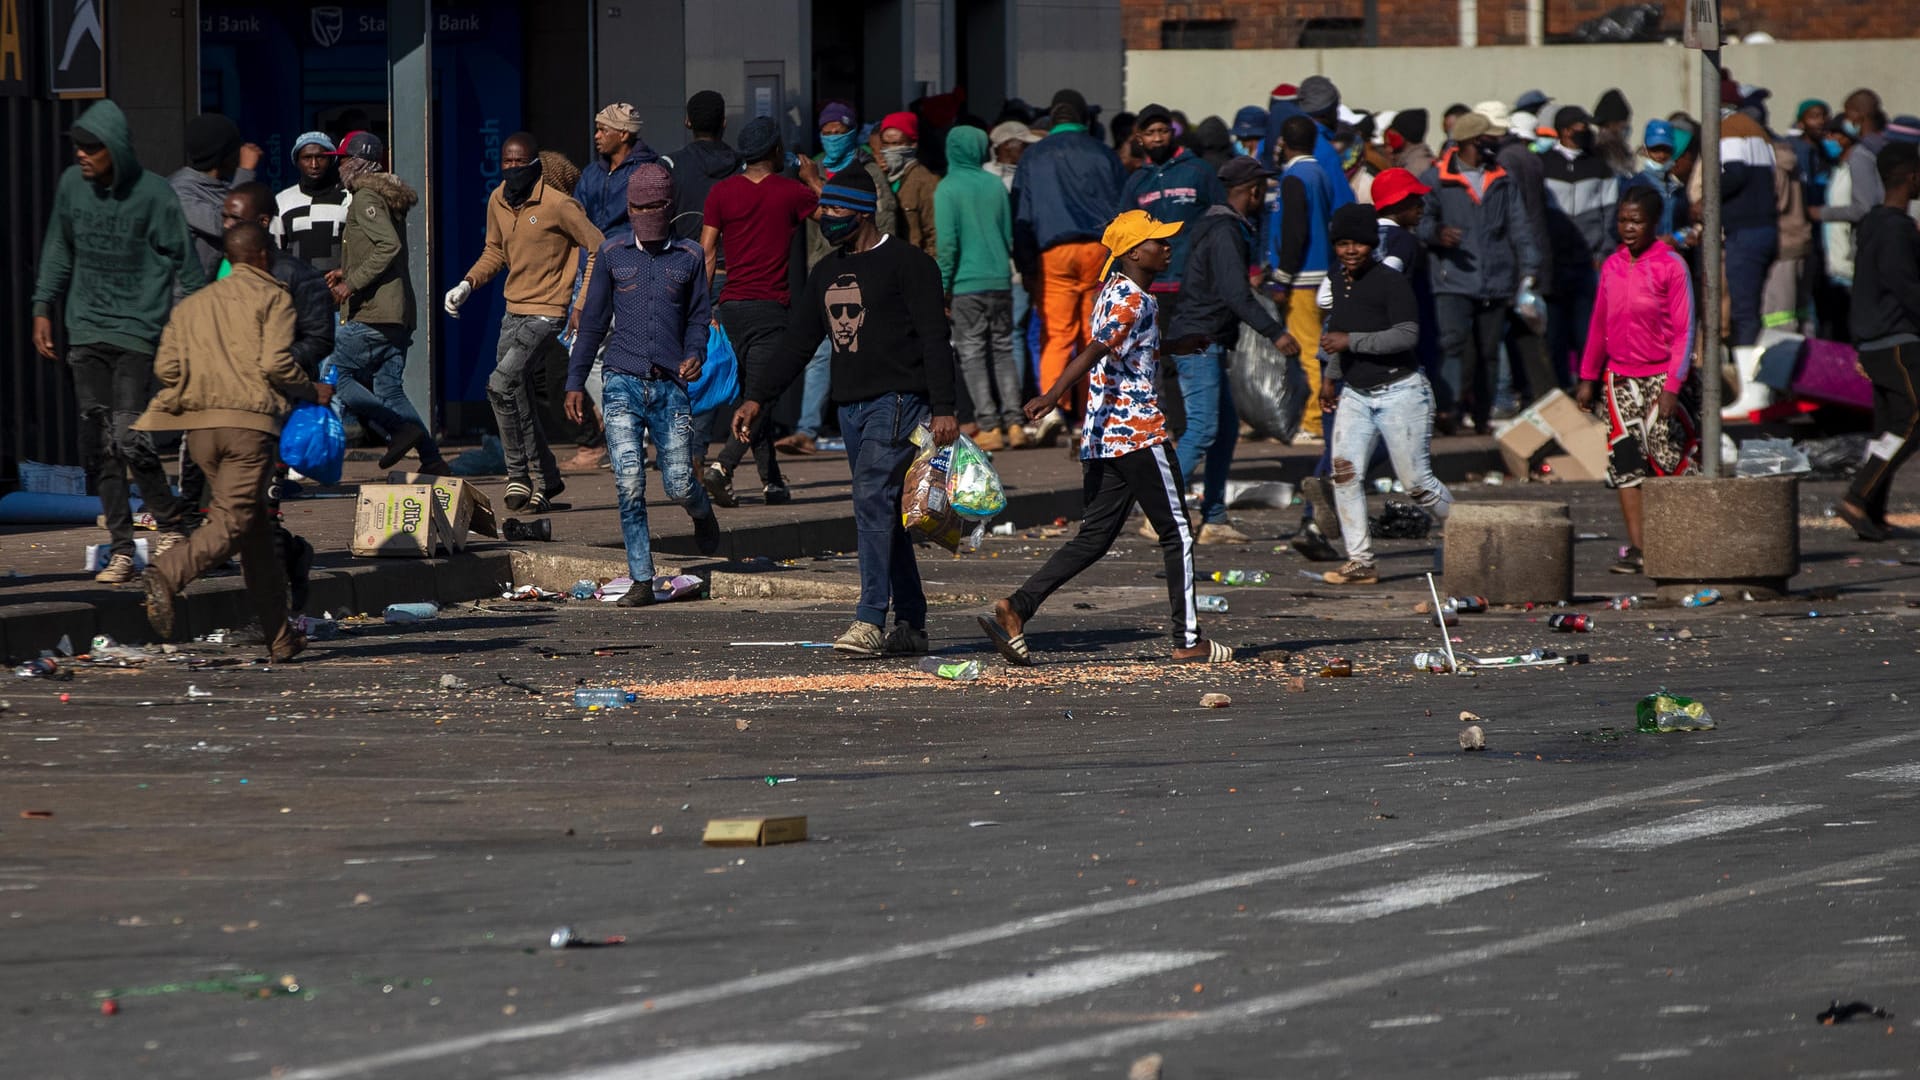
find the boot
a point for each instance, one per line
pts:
(1754, 394)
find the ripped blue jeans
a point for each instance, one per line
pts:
(1401, 415)
(635, 408)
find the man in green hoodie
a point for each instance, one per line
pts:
(115, 246)
(974, 247)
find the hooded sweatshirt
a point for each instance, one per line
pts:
(201, 197)
(112, 253)
(696, 167)
(975, 240)
(1177, 190)
(373, 252)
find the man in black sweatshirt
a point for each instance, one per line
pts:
(1372, 328)
(878, 300)
(1886, 328)
(1217, 301)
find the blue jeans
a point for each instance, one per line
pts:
(878, 454)
(372, 361)
(816, 390)
(1401, 415)
(636, 408)
(1021, 363)
(1213, 427)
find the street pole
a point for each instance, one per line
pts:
(1710, 258)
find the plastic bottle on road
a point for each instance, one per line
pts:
(1467, 605)
(1209, 602)
(584, 589)
(1431, 661)
(411, 613)
(1570, 624)
(603, 697)
(1703, 598)
(1240, 577)
(958, 671)
(1337, 668)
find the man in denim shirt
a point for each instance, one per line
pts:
(652, 288)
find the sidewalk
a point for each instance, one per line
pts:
(43, 594)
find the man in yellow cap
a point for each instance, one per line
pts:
(1124, 451)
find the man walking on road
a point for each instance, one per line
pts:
(650, 287)
(1065, 192)
(227, 375)
(879, 299)
(375, 294)
(533, 233)
(974, 254)
(1886, 325)
(115, 247)
(755, 215)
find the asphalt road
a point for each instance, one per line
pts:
(1047, 874)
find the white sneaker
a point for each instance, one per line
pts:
(1047, 431)
(1754, 394)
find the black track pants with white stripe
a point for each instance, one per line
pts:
(1112, 485)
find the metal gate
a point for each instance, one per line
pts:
(36, 395)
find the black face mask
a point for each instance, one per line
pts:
(839, 231)
(1583, 139)
(1159, 155)
(517, 183)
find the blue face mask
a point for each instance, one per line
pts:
(836, 151)
(1847, 125)
(1833, 148)
(1659, 168)
(1542, 144)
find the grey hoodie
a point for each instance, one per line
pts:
(200, 198)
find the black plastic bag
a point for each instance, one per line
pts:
(1402, 521)
(1633, 22)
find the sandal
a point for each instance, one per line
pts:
(1216, 654)
(1013, 649)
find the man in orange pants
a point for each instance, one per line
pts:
(1067, 190)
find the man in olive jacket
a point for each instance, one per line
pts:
(227, 375)
(376, 303)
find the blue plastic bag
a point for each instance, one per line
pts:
(314, 442)
(718, 386)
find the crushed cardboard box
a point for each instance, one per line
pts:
(402, 519)
(754, 832)
(467, 509)
(1555, 419)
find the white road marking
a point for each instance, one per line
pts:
(1693, 825)
(1405, 1021)
(1878, 939)
(724, 1062)
(1386, 900)
(1313, 995)
(1058, 981)
(1655, 1055)
(1683, 1010)
(1538, 1076)
(1894, 774)
(800, 973)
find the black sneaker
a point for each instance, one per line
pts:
(641, 595)
(776, 494)
(402, 443)
(719, 485)
(706, 533)
(1631, 562)
(1313, 545)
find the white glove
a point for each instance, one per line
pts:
(457, 296)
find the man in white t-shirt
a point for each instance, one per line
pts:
(310, 216)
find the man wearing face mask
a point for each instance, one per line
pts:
(1676, 212)
(878, 300)
(651, 288)
(311, 214)
(1174, 187)
(1483, 250)
(533, 233)
(1582, 194)
(912, 182)
(1865, 122)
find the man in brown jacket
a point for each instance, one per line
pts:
(534, 233)
(897, 142)
(227, 372)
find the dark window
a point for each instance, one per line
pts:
(1333, 34)
(1196, 33)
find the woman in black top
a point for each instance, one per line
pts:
(1373, 326)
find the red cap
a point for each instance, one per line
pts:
(1286, 91)
(1395, 140)
(906, 122)
(1395, 186)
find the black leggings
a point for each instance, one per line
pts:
(1111, 487)
(1896, 418)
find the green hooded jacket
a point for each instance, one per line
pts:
(975, 239)
(112, 253)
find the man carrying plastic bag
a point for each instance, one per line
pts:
(878, 300)
(948, 489)
(227, 372)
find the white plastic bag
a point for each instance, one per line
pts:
(1270, 390)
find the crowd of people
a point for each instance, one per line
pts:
(1010, 280)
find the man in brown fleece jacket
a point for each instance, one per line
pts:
(533, 232)
(227, 375)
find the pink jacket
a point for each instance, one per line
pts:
(1642, 318)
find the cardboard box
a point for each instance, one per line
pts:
(754, 832)
(1555, 418)
(401, 519)
(466, 508)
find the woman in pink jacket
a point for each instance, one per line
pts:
(1641, 342)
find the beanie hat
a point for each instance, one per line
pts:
(1153, 114)
(1612, 109)
(651, 182)
(312, 138)
(1318, 94)
(1411, 124)
(838, 111)
(707, 112)
(559, 171)
(619, 116)
(211, 139)
(1069, 106)
(904, 122)
(760, 138)
(851, 189)
(1250, 123)
(1356, 222)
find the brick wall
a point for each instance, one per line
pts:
(1277, 24)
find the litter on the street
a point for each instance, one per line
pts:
(1664, 712)
(754, 832)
